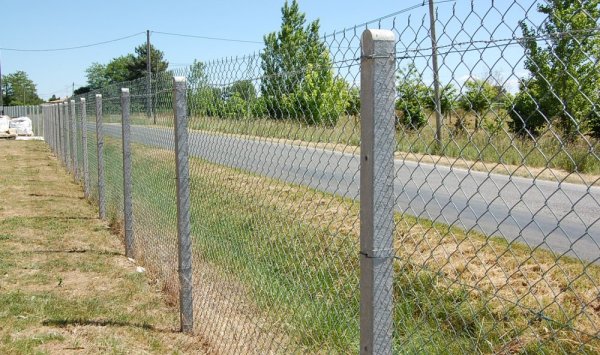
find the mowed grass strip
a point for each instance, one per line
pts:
(65, 284)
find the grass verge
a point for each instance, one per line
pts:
(64, 283)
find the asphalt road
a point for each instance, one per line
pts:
(561, 217)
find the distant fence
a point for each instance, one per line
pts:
(33, 112)
(410, 191)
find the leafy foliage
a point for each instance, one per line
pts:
(565, 73)
(479, 97)
(82, 90)
(527, 117)
(117, 70)
(137, 67)
(298, 79)
(413, 97)
(125, 67)
(18, 89)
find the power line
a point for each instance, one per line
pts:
(207, 37)
(70, 48)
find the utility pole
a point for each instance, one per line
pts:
(149, 78)
(436, 78)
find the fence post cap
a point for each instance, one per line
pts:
(98, 96)
(179, 79)
(374, 34)
(125, 90)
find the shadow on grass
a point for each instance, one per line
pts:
(62, 323)
(72, 251)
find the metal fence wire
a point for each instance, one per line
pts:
(429, 186)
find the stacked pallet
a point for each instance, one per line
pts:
(5, 131)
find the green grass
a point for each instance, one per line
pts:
(305, 276)
(64, 283)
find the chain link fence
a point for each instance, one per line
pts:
(430, 186)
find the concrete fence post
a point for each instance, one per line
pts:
(127, 176)
(84, 148)
(51, 126)
(186, 309)
(41, 121)
(100, 154)
(56, 129)
(63, 133)
(73, 121)
(67, 129)
(377, 94)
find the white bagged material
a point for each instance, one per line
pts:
(22, 125)
(4, 124)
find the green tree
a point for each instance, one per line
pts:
(448, 95)
(566, 72)
(18, 90)
(244, 89)
(525, 113)
(96, 76)
(196, 77)
(413, 97)
(137, 66)
(53, 98)
(298, 78)
(82, 90)
(479, 97)
(117, 70)
(353, 107)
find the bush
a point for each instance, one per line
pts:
(526, 117)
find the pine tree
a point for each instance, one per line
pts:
(298, 80)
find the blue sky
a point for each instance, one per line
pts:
(37, 25)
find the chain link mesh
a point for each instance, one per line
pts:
(495, 212)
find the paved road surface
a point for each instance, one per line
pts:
(561, 217)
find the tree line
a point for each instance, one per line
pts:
(18, 90)
(298, 81)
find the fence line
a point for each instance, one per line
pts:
(387, 204)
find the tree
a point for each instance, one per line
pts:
(479, 97)
(137, 66)
(196, 77)
(19, 90)
(53, 98)
(82, 90)
(298, 79)
(125, 68)
(244, 89)
(524, 111)
(448, 94)
(117, 70)
(96, 76)
(566, 72)
(413, 97)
